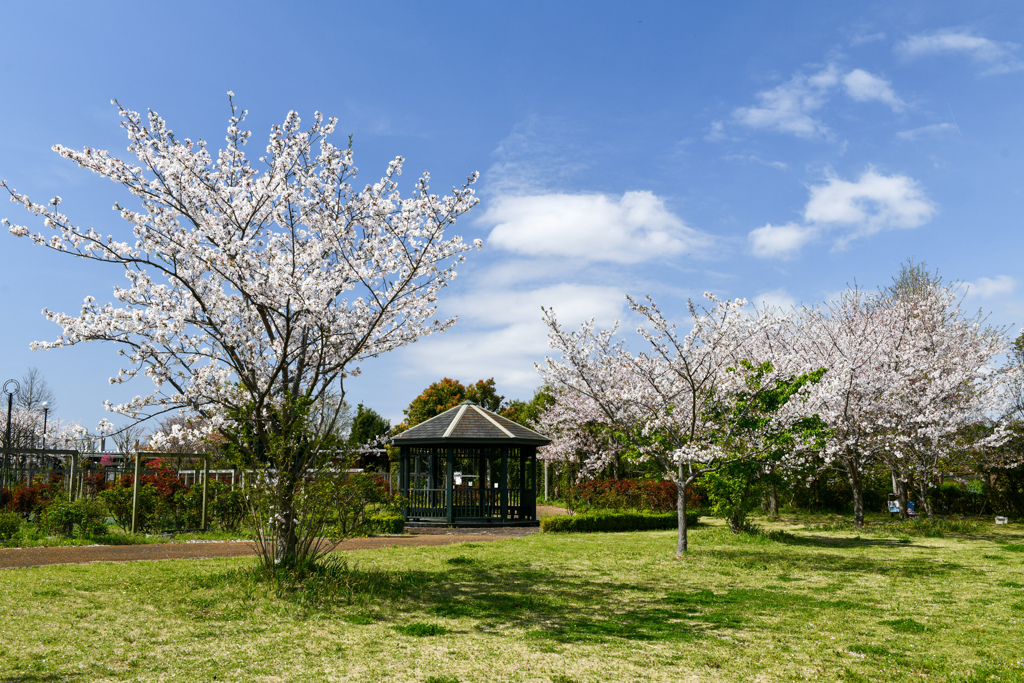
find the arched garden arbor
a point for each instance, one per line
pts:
(469, 467)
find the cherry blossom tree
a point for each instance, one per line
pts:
(908, 373)
(848, 337)
(254, 289)
(694, 403)
(946, 383)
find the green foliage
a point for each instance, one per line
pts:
(732, 491)
(386, 524)
(360, 505)
(630, 494)
(118, 500)
(528, 413)
(188, 507)
(10, 523)
(367, 426)
(448, 393)
(435, 399)
(225, 506)
(615, 521)
(82, 518)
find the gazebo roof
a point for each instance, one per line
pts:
(468, 423)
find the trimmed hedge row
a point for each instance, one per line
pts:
(615, 521)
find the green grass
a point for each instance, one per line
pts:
(30, 536)
(782, 603)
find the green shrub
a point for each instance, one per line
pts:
(188, 507)
(119, 501)
(385, 523)
(10, 523)
(615, 521)
(82, 517)
(225, 505)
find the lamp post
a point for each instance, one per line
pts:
(42, 461)
(11, 387)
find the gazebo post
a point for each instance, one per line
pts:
(504, 484)
(449, 480)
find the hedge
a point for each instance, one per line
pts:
(615, 521)
(387, 524)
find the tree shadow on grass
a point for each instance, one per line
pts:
(837, 563)
(844, 542)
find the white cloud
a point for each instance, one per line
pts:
(791, 107)
(934, 130)
(777, 298)
(862, 38)
(500, 333)
(752, 158)
(995, 58)
(787, 108)
(865, 87)
(591, 227)
(986, 288)
(874, 202)
(779, 241)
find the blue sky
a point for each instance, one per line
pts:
(771, 151)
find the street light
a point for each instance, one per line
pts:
(46, 414)
(11, 387)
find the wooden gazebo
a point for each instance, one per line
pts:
(469, 467)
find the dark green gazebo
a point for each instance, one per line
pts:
(469, 467)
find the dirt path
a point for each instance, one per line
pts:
(16, 558)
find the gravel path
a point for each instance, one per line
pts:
(17, 558)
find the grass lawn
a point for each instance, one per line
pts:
(804, 602)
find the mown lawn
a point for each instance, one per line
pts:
(807, 604)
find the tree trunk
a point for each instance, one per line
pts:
(858, 493)
(681, 510)
(922, 487)
(773, 502)
(904, 498)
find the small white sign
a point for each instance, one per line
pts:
(1002, 520)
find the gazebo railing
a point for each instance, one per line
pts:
(427, 502)
(470, 503)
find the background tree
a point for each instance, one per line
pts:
(529, 413)
(367, 427)
(34, 391)
(447, 393)
(253, 292)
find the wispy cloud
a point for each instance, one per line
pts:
(779, 241)
(788, 108)
(865, 87)
(862, 38)
(872, 203)
(850, 209)
(500, 332)
(993, 57)
(540, 153)
(934, 130)
(754, 159)
(986, 288)
(792, 107)
(776, 298)
(633, 228)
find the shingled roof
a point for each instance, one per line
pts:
(468, 423)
